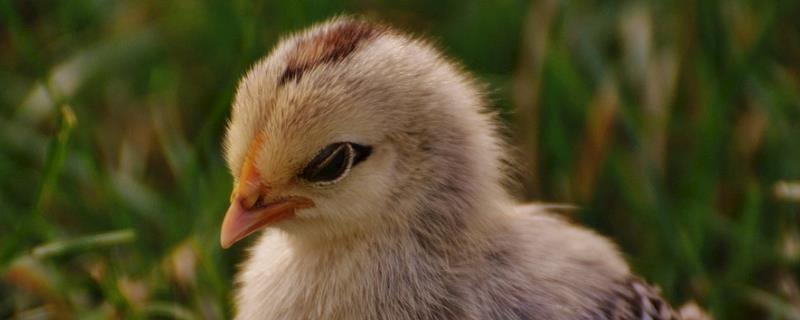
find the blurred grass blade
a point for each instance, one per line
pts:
(169, 310)
(84, 243)
(69, 77)
(788, 190)
(41, 312)
(34, 222)
(776, 306)
(55, 155)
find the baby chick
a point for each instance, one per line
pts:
(376, 172)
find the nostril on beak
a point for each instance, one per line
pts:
(253, 202)
(261, 201)
(249, 202)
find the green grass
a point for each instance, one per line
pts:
(670, 124)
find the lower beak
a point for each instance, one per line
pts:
(241, 221)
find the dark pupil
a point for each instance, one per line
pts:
(329, 164)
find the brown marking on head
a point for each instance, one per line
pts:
(328, 46)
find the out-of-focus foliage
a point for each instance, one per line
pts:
(675, 125)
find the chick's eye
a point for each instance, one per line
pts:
(333, 162)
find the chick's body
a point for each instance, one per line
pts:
(530, 266)
(402, 211)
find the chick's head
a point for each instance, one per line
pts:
(343, 125)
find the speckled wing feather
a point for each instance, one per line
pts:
(634, 299)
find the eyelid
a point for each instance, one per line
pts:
(317, 163)
(354, 153)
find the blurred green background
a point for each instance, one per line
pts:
(674, 125)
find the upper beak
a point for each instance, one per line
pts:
(251, 211)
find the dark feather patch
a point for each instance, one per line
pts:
(328, 46)
(634, 299)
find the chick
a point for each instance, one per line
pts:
(376, 173)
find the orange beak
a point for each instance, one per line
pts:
(252, 208)
(251, 212)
